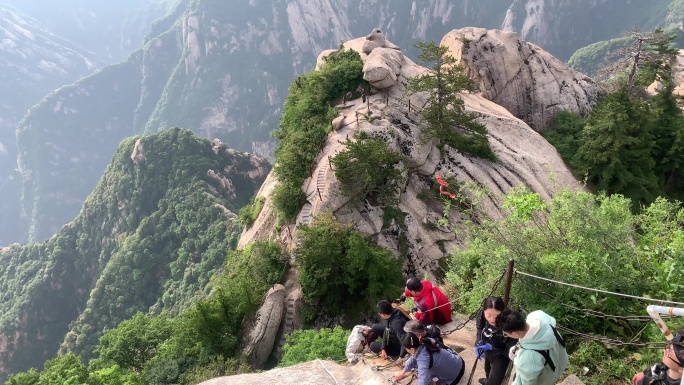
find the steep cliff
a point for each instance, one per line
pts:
(223, 70)
(153, 232)
(412, 227)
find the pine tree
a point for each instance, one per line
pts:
(616, 148)
(446, 120)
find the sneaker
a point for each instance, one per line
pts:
(482, 381)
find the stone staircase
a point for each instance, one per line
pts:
(305, 216)
(288, 322)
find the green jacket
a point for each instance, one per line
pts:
(530, 365)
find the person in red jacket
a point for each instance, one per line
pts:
(433, 306)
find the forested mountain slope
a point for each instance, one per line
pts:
(158, 225)
(222, 70)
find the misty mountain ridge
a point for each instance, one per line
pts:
(223, 71)
(163, 213)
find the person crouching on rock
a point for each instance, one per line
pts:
(360, 337)
(391, 336)
(431, 360)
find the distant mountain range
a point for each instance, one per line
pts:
(222, 70)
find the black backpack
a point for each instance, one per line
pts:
(655, 375)
(545, 353)
(432, 345)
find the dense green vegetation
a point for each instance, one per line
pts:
(367, 166)
(249, 213)
(590, 59)
(588, 240)
(446, 120)
(305, 122)
(199, 344)
(631, 143)
(149, 238)
(341, 272)
(307, 345)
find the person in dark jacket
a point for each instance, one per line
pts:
(394, 331)
(669, 371)
(433, 306)
(496, 358)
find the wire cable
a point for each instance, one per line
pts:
(635, 318)
(472, 315)
(612, 341)
(598, 290)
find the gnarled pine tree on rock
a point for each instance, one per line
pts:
(446, 120)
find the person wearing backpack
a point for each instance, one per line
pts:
(669, 371)
(539, 357)
(431, 360)
(430, 331)
(433, 306)
(391, 338)
(491, 342)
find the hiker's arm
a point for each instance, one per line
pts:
(401, 375)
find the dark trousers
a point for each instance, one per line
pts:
(460, 374)
(495, 367)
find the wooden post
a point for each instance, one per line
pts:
(509, 278)
(409, 105)
(319, 193)
(357, 119)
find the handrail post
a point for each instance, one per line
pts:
(509, 278)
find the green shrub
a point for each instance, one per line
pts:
(368, 166)
(249, 213)
(305, 124)
(341, 271)
(307, 345)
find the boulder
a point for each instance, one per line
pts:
(520, 76)
(383, 67)
(260, 332)
(374, 40)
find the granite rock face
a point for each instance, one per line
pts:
(520, 76)
(260, 331)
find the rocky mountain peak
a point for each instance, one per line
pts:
(520, 76)
(415, 235)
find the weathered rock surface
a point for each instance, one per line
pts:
(523, 158)
(329, 372)
(260, 332)
(520, 76)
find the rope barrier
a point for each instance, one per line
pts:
(327, 371)
(598, 290)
